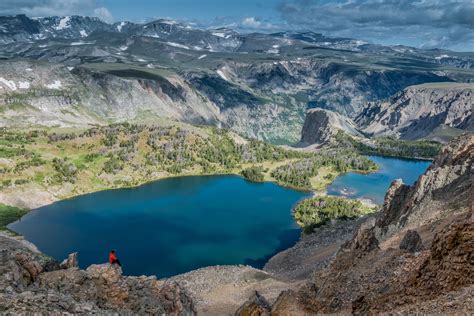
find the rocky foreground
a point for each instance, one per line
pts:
(415, 256)
(30, 282)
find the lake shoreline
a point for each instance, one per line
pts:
(29, 205)
(237, 174)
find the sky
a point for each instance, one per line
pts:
(445, 24)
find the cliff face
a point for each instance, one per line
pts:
(321, 126)
(33, 283)
(415, 256)
(53, 95)
(445, 188)
(418, 110)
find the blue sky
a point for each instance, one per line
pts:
(421, 23)
(204, 10)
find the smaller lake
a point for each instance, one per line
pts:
(169, 226)
(374, 185)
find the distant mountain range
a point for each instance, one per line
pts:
(77, 70)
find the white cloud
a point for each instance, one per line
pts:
(251, 22)
(426, 23)
(37, 8)
(255, 24)
(104, 14)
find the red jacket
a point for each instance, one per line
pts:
(112, 258)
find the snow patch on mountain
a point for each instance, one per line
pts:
(177, 45)
(221, 73)
(120, 26)
(221, 34)
(10, 84)
(274, 49)
(169, 22)
(23, 84)
(81, 43)
(64, 23)
(55, 85)
(441, 57)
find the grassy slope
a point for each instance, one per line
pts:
(70, 162)
(9, 214)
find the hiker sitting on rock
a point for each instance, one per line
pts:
(113, 258)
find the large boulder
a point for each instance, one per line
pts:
(71, 261)
(411, 242)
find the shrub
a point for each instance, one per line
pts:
(254, 173)
(66, 171)
(9, 214)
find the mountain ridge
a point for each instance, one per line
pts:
(259, 85)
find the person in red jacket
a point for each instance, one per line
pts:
(113, 258)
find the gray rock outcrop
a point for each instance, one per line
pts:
(71, 261)
(445, 188)
(321, 126)
(418, 111)
(30, 284)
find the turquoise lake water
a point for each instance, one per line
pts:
(374, 185)
(176, 225)
(169, 226)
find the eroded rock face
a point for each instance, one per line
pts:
(322, 125)
(27, 287)
(444, 189)
(450, 263)
(418, 110)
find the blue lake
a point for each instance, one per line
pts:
(374, 185)
(179, 224)
(169, 226)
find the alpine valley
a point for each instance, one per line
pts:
(80, 71)
(87, 106)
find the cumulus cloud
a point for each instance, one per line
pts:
(243, 24)
(426, 23)
(37, 8)
(251, 22)
(256, 24)
(103, 14)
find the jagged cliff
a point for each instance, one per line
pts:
(418, 110)
(415, 256)
(436, 111)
